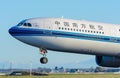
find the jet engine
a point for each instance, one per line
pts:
(108, 61)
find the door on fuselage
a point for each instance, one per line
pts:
(48, 27)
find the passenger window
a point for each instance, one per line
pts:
(76, 29)
(85, 30)
(68, 29)
(80, 30)
(99, 32)
(59, 28)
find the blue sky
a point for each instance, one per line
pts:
(20, 54)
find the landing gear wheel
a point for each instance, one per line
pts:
(43, 60)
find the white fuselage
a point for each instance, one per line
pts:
(66, 35)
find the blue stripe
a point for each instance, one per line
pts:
(41, 32)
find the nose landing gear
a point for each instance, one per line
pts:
(44, 59)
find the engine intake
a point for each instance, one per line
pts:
(108, 61)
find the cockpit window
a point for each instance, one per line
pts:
(23, 23)
(27, 25)
(20, 24)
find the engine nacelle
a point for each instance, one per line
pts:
(108, 61)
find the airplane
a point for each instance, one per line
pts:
(71, 36)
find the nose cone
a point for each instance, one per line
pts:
(12, 31)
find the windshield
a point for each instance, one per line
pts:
(21, 23)
(24, 23)
(27, 24)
